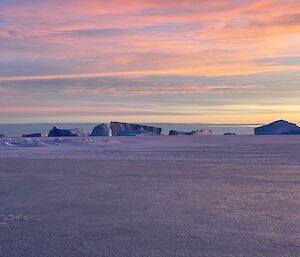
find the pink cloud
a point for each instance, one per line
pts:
(89, 39)
(150, 90)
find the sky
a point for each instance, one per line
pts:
(197, 61)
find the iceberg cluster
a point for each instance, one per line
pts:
(113, 129)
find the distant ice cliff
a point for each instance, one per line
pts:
(279, 127)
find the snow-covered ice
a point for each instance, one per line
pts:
(208, 149)
(210, 196)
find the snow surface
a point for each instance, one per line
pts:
(211, 149)
(210, 196)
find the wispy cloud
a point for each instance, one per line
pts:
(72, 47)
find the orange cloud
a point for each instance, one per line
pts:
(146, 90)
(55, 40)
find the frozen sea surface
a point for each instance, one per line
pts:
(213, 196)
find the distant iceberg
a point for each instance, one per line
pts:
(128, 129)
(102, 130)
(35, 135)
(2, 135)
(198, 132)
(57, 132)
(279, 127)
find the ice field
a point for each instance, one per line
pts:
(212, 196)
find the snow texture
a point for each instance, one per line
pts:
(212, 196)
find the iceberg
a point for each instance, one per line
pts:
(128, 129)
(35, 135)
(102, 130)
(279, 127)
(57, 132)
(198, 132)
(2, 135)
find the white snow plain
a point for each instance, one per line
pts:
(187, 196)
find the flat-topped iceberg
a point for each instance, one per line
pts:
(35, 135)
(58, 132)
(102, 130)
(128, 129)
(279, 127)
(198, 132)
